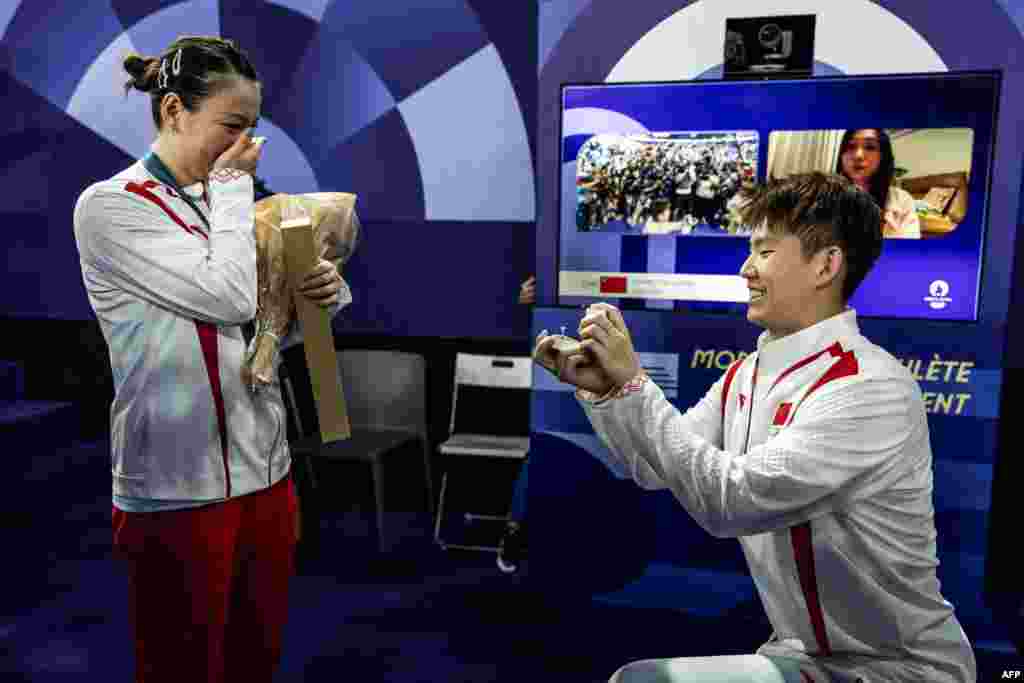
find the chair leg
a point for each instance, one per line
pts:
(307, 516)
(403, 509)
(468, 517)
(429, 473)
(440, 512)
(383, 543)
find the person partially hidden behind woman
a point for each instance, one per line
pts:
(866, 158)
(204, 510)
(512, 546)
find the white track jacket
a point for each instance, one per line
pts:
(814, 453)
(171, 296)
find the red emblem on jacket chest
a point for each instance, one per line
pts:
(782, 414)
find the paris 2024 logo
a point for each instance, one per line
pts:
(939, 295)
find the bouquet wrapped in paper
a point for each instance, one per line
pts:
(336, 229)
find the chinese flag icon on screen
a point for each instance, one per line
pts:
(613, 284)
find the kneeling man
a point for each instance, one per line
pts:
(813, 452)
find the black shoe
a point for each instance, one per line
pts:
(512, 550)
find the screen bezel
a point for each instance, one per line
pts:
(637, 303)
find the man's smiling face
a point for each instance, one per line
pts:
(781, 282)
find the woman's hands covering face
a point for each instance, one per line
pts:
(243, 155)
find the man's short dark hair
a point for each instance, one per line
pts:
(821, 210)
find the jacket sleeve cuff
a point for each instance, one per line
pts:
(633, 386)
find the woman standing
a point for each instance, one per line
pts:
(866, 158)
(204, 509)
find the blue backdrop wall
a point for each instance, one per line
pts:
(424, 109)
(960, 366)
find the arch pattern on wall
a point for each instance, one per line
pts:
(397, 102)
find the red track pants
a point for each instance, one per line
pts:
(208, 587)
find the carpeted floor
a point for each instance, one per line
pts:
(444, 616)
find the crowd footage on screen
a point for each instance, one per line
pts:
(683, 179)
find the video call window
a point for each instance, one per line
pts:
(664, 183)
(920, 175)
(650, 180)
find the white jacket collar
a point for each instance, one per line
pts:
(776, 355)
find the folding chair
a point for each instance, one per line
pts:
(385, 394)
(490, 421)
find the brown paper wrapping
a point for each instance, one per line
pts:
(335, 231)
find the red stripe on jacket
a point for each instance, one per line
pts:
(730, 374)
(836, 350)
(803, 552)
(800, 535)
(208, 342)
(846, 366)
(143, 191)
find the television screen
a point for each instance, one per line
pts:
(650, 175)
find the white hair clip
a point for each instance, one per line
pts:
(164, 78)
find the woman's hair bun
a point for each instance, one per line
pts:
(143, 71)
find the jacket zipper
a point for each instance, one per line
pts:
(750, 413)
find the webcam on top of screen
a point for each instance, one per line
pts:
(769, 46)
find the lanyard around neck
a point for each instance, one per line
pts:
(156, 166)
